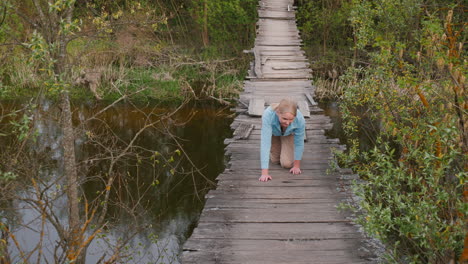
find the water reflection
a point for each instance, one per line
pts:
(163, 190)
(367, 129)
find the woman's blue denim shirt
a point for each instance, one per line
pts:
(271, 126)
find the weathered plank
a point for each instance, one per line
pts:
(304, 108)
(255, 164)
(273, 98)
(257, 63)
(269, 14)
(276, 231)
(273, 215)
(243, 131)
(316, 246)
(311, 100)
(256, 106)
(259, 254)
(307, 178)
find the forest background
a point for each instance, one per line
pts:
(397, 68)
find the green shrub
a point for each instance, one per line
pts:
(411, 99)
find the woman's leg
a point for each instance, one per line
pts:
(275, 150)
(287, 151)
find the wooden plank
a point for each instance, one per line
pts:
(285, 193)
(261, 204)
(317, 246)
(261, 255)
(316, 130)
(304, 108)
(312, 141)
(294, 84)
(311, 100)
(272, 41)
(274, 67)
(318, 251)
(311, 124)
(309, 156)
(256, 106)
(257, 63)
(290, 68)
(275, 215)
(253, 148)
(271, 231)
(308, 178)
(319, 119)
(274, 98)
(312, 131)
(255, 164)
(287, 76)
(243, 131)
(246, 173)
(315, 134)
(280, 49)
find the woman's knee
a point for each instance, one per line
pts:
(287, 164)
(274, 160)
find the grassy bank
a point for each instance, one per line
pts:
(154, 50)
(185, 74)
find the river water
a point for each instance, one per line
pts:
(158, 192)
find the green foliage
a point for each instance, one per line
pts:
(156, 87)
(385, 20)
(7, 176)
(43, 61)
(41, 54)
(22, 127)
(60, 5)
(12, 28)
(325, 24)
(228, 18)
(120, 39)
(176, 84)
(412, 95)
(328, 38)
(230, 23)
(9, 21)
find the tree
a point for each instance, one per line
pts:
(53, 31)
(56, 26)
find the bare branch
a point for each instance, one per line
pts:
(122, 154)
(113, 104)
(190, 160)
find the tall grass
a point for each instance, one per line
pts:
(162, 73)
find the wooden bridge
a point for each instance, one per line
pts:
(293, 218)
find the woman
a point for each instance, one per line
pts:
(282, 137)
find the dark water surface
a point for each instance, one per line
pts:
(161, 187)
(367, 130)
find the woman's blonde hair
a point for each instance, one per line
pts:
(285, 106)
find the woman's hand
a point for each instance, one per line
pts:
(265, 177)
(295, 170)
